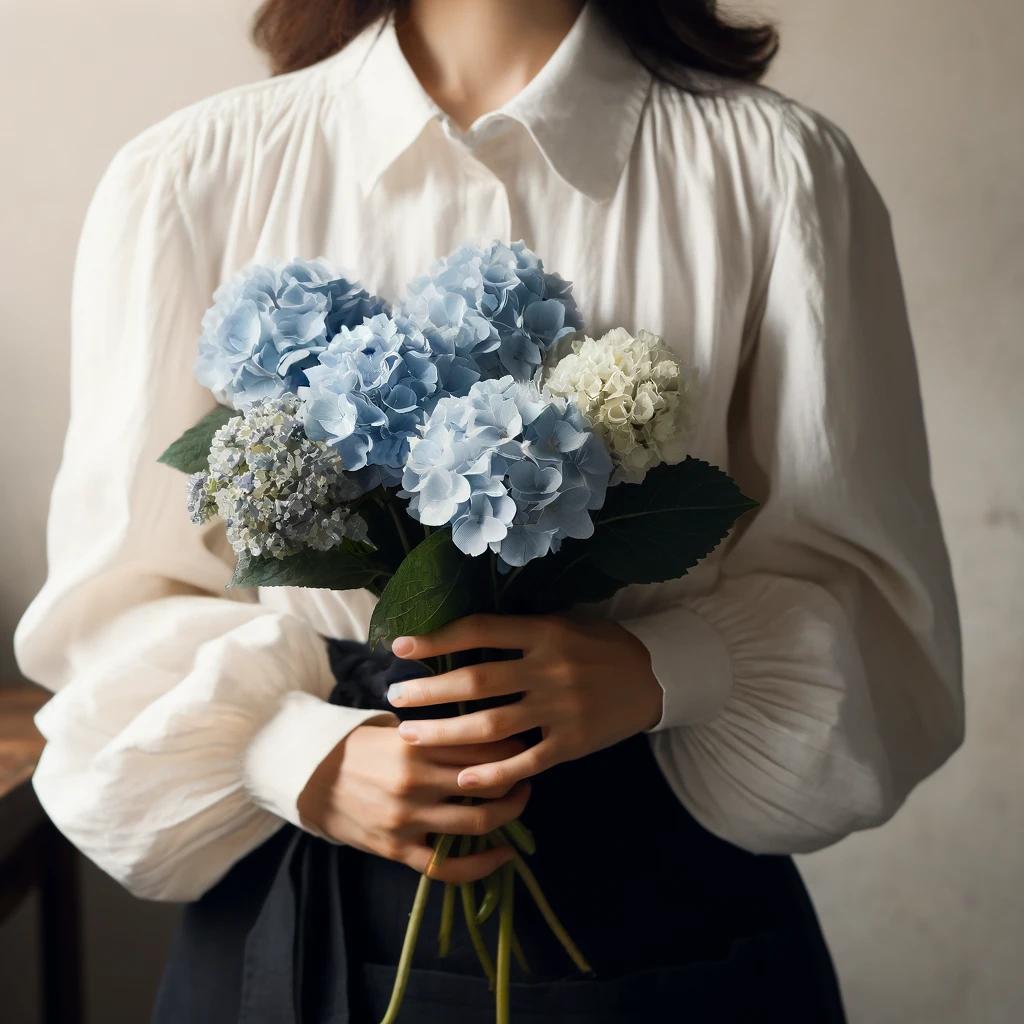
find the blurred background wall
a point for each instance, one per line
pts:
(925, 916)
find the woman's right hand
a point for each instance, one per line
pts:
(382, 795)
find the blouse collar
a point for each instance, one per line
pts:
(581, 109)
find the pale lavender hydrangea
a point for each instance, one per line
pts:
(509, 469)
(277, 491)
(268, 325)
(496, 306)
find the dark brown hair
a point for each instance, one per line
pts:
(666, 35)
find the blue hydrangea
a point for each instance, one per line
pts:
(509, 469)
(372, 389)
(268, 325)
(277, 491)
(496, 306)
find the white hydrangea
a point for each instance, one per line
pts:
(635, 394)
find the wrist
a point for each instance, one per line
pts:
(690, 661)
(646, 694)
(650, 694)
(313, 803)
(287, 751)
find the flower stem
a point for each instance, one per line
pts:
(492, 896)
(441, 848)
(502, 993)
(412, 931)
(556, 926)
(517, 952)
(469, 911)
(399, 526)
(444, 931)
(519, 835)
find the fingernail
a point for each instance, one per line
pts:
(396, 692)
(467, 780)
(402, 646)
(409, 732)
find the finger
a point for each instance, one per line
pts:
(429, 783)
(423, 781)
(476, 727)
(501, 632)
(474, 819)
(491, 679)
(470, 868)
(473, 753)
(531, 761)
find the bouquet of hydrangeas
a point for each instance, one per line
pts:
(469, 450)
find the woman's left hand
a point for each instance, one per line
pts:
(584, 685)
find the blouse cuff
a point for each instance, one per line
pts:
(691, 661)
(284, 754)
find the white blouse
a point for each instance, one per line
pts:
(811, 667)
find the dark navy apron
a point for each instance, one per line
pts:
(678, 924)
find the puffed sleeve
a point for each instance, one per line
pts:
(187, 718)
(818, 680)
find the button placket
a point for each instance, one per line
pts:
(487, 196)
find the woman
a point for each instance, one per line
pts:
(791, 690)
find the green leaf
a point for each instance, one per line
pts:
(657, 530)
(645, 533)
(349, 567)
(189, 453)
(435, 584)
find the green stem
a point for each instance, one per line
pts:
(399, 526)
(556, 926)
(469, 911)
(442, 846)
(551, 919)
(517, 952)
(412, 931)
(444, 931)
(519, 835)
(492, 896)
(504, 967)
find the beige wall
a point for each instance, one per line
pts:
(926, 916)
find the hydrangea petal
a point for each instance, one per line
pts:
(268, 325)
(521, 495)
(494, 305)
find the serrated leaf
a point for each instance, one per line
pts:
(435, 584)
(191, 451)
(645, 533)
(349, 567)
(657, 530)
